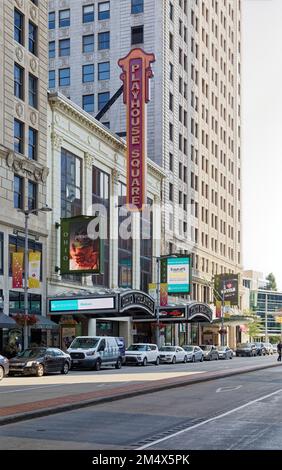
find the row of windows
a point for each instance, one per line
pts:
(19, 140)
(64, 49)
(19, 32)
(19, 193)
(88, 13)
(19, 86)
(87, 74)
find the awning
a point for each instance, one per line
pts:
(6, 321)
(44, 323)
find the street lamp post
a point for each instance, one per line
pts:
(222, 316)
(27, 214)
(265, 319)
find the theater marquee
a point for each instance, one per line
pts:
(137, 71)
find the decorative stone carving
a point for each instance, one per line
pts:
(19, 54)
(37, 174)
(44, 174)
(57, 118)
(17, 165)
(33, 13)
(20, 3)
(89, 140)
(89, 160)
(33, 64)
(10, 159)
(33, 117)
(57, 141)
(19, 110)
(115, 175)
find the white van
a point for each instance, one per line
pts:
(95, 351)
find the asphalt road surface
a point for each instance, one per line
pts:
(239, 412)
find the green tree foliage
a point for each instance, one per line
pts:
(271, 282)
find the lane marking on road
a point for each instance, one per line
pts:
(227, 413)
(228, 389)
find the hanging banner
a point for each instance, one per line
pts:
(81, 245)
(227, 286)
(136, 67)
(17, 270)
(34, 261)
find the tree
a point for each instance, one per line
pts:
(253, 329)
(271, 284)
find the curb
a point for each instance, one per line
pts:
(129, 394)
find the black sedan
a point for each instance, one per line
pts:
(4, 367)
(40, 361)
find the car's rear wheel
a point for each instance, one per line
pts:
(157, 361)
(193, 359)
(40, 370)
(1, 373)
(65, 369)
(173, 360)
(185, 359)
(118, 364)
(202, 358)
(144, 363)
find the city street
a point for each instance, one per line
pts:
(244, 410)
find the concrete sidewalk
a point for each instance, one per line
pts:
(24, 411)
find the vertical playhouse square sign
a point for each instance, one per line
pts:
(136, 73)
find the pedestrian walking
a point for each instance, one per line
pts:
(279, 350)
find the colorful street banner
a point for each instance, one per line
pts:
(176, 272)
(152, 291)
(227, 286)
(81, 245)
(34, 262)
(218, 308)
(136, 67)
(17, 270)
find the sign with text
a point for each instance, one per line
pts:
(227, 286)
(136, 67)
(81, 304)
(176, 272)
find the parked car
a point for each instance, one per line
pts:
(95, 352)
(4, 366)
(210, 352)
(246, 349)
(172, 354)
(224, 352)
(268, 347)
(194, 353)
(142, 354)
(40, 361)
(261, 349)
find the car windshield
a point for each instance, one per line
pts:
(34, 352)
(84, 343)
(188, 348)
(137, 347)
(167, 348)
(205, 347)
(222, 348)
(244, 345)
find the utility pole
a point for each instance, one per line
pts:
(265, 319)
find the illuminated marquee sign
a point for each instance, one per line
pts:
(137, 70)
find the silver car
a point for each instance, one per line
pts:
(224, 352)
(194, 353)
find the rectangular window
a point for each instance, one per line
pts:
(104, 40)
(18, 136)
(32, 38)
(71, 184)
(88, 73)
(52, 20)
(32, 90)
(64, 77)
(104, 71)
(52, 79)
(32, 144)
(64, 48)
(19, 27)
(137, 6)
(104, 11)
(88, 103)
(64, 18)
(103, 98)
(1, 255)
(106, 124)
(18, 81)
(16, 244)
(88, 13)
(18, 192)
(124, 242)
(88, 43)
(171, 72)
(146, 246)
(52, 49)
(101, 197)
(32, 195)
(137, 36)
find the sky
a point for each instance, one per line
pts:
(262, 136)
